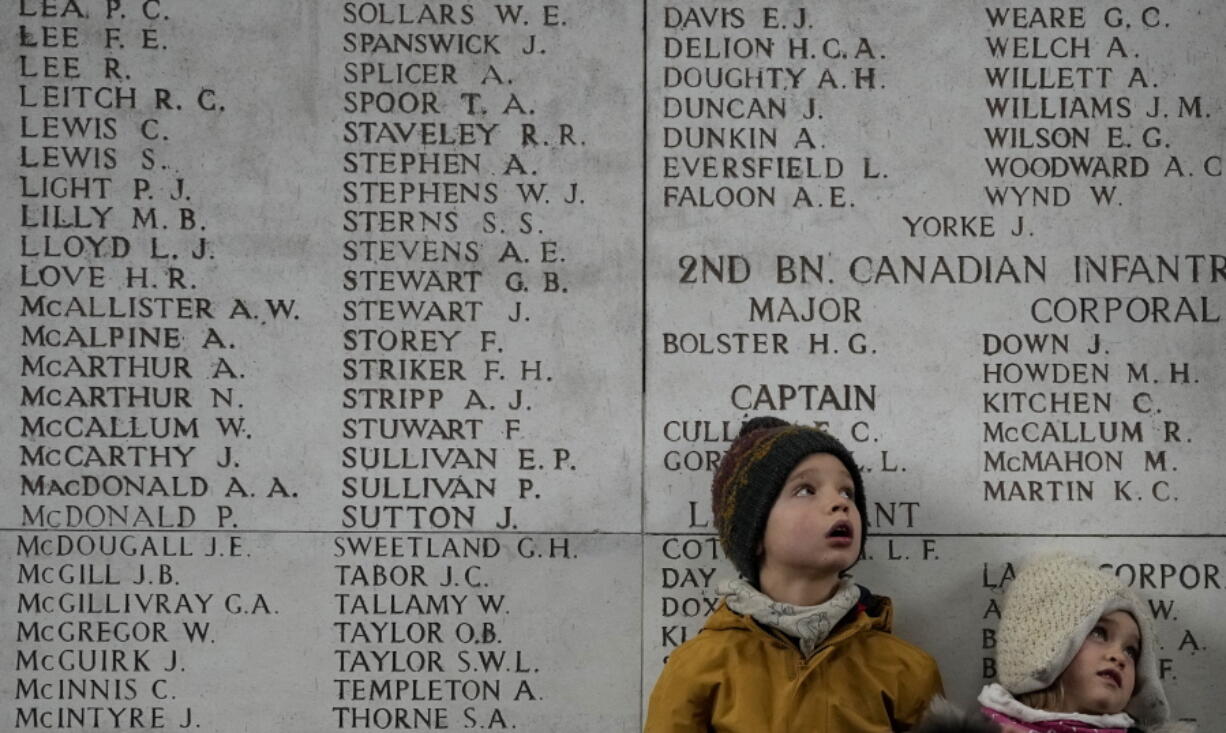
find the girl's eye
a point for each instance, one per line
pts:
(1133, 652)
(804, 490)
(1099, 632)
(849, 493)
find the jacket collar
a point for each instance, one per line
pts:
(870, 613)
(996, 698)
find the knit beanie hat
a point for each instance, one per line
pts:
(1050, 608)
(751, 475)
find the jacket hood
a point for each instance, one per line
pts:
(944, 717)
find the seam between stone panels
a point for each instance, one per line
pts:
(597, 533)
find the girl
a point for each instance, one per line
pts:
(794, 645)
(1076, 653)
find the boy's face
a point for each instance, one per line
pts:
(814, 526)
(1101, 677)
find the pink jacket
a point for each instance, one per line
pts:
(1011, 725)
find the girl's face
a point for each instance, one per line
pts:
(1101, 677)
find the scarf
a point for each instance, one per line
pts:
(810, 625)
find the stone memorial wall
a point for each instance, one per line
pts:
(366, 362)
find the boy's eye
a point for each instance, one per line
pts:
(849, 493)
(1133, 652)
(1099, 632)
(804, 490)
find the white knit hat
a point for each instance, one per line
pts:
(1050, 608)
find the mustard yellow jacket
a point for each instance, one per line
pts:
(736, 676)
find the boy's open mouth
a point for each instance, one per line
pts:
(842, 529)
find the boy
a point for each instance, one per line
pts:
(794, 645)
